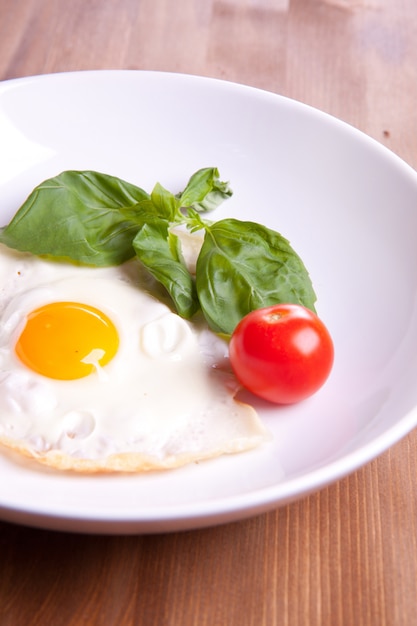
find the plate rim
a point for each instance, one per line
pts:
(261, 500)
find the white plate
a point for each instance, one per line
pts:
(348, 206)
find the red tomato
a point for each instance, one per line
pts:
(282, 353)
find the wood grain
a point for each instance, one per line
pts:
(345, 555)
(341, 557)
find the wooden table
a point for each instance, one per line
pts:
(346, 555)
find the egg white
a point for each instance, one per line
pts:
(165, 399)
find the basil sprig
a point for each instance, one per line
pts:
(90, 218)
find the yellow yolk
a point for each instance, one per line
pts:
(67, 340)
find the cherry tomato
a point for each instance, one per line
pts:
(282, 353)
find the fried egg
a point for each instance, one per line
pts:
(96, 374)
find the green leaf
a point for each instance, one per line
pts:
(205, 191)
(244, 266)
(84, 217)
(159, 251)
(165, 202)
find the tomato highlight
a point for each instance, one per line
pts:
(282, 353)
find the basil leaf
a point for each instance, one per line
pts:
(159, 251)
(205, 191)
(244, 266)
(84, 217)
(165, 202)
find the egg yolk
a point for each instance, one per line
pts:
(67, 340)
